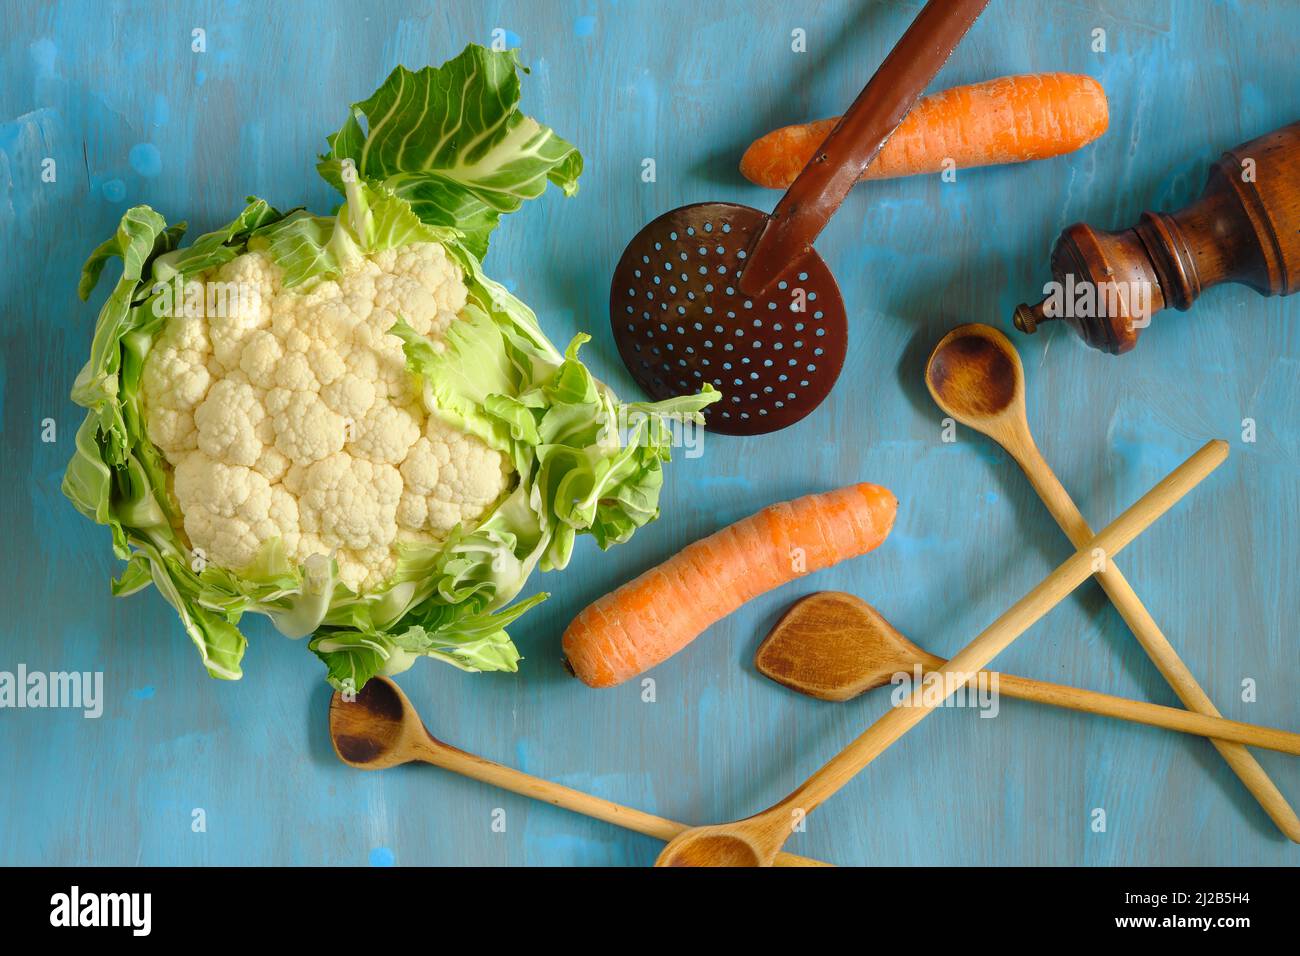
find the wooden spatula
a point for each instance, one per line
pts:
(835, 646)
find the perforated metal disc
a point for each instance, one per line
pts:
(680, 320)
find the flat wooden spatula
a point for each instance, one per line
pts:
(835, 646)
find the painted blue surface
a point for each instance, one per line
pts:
(113, 93)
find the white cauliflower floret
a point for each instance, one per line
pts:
(272, 464)
(350, 396)
(228, 421)
(239, 303)
(421, 287)
(282, 516)
(215, 486)
(176, 375)
(450, 478)
(172, 430)
(350, 502)
(261, 355)
(385, 434)
(366, 569)
(326, 365)
(290, 414)
(329, 323)
(175, 381)
(392, 374)
(230, 511)
(306, 429)
(294, 374)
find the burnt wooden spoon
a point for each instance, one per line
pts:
(756, 840)
(974, 374)
(379, 728)
(835, 646)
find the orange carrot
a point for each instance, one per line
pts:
(654, 616)
(1007, 120)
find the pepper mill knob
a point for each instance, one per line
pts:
(1244, 228)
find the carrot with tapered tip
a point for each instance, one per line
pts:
(654, 616)
(1008, 120)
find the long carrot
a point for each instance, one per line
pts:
(1007, 120)
(654, 616)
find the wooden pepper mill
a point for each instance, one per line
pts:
(1244, 228)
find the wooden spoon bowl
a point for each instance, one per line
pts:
(374, 731)
(701, 847)
(974, 374)
(836, 646)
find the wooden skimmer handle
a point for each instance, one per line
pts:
(855, 141)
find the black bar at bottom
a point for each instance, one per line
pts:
(342, 905)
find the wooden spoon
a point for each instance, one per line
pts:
(835, 646)
(975, 375)
(379, 729)
(756, 840)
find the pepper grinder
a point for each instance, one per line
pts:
(1245, 228)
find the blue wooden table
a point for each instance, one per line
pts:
(115, 95)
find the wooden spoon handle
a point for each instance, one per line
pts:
(1149, 635)
(995, 638)
(439, 754)
(1141, 712)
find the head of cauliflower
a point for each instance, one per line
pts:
(291, 414)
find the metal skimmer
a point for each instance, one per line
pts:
(682, 320)
(729, 295)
